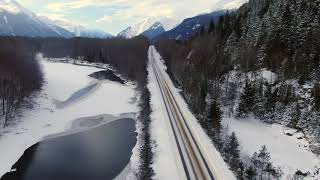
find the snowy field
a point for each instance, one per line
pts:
(291, 153)
(85, 97)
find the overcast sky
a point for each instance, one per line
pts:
(115, 15)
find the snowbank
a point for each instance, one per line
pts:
(167, 162)
(291, 153)
(269, 76)
(63, 80)
(166, 153)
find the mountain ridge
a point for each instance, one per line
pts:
(16, 20)
(147, 25)
(78, 30)
(191, 26)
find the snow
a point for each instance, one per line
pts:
(13, 7)
(137, 29)
(291, 153)
(196, 26)
(63, 23)
(12, 32)
(190, 54)
(62, 81)
(75, 29)
(166, 164)
(140, 27)
(5, 19)
(178, 37)
(268, 75)
(144, 25)
(8, 6)
(168, 23)
(17, 16)
(157, 26)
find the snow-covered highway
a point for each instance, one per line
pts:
(199, 158)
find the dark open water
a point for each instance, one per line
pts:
(97, 154)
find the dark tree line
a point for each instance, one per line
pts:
(222, 64)
(20, 76)
(146, 156)
(287, 46)
(20, 73)
(127, 56)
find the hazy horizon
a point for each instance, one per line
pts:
(113, 16)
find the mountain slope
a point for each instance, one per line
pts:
(149, 25)
(16, 20)
(78, 30)
(81, 31)
(191, 26)
(155, 30)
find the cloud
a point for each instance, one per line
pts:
(78, 4)
(27, 2)
(144, 10)
(229, 4)
(135, 9)
(104, 19)
(53, 16)
(151, 7)
(117, 14)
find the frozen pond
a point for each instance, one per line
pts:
(98, 153)
(68, 95)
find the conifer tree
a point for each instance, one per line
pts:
(202, 31)
(232, 152)
(211, 28)
(264, 155)
(264, 165)
(246, 100)
(271, 98)
(295, 116)
(260, 100)
(250, 173)
(316, 96)
(215, 116)
(203, 95)
(241, 171)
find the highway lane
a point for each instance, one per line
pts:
(197, 164)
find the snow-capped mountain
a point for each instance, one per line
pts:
(156, 29)
(158, 25)
(15, 20)
(78, 30)
(81, 31)
(190, 26)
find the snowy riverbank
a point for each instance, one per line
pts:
(62, 81)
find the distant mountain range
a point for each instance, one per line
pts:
(189, 27)
(78, 30)
(168, 28)
(155, 30)
(15, 20)
(150, 27)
